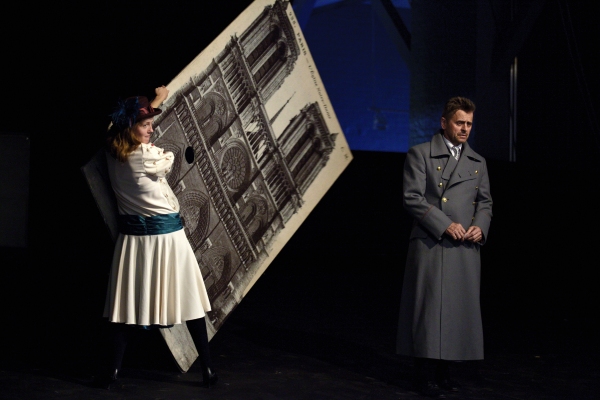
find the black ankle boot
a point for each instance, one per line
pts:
(103, 380)
(209, 377)
(442, 377)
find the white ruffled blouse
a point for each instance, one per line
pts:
(140, 183)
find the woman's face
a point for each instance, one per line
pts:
(143, 130)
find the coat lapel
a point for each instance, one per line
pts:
(451, 164)
(440, 151)
(465, 169)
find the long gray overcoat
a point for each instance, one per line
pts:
(440, 314)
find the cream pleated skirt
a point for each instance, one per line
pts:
(155, 280)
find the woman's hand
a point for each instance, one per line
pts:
(161, 95)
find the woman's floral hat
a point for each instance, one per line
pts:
(131, 110)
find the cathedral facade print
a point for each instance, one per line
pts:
(256, 145)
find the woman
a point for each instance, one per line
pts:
(155, 280)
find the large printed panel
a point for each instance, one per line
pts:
(257, 145)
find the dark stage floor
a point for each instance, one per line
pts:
(293, 337)
(281, 364)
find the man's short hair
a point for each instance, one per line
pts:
(455, 104)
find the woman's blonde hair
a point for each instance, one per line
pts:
(121, 143)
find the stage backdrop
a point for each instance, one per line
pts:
(257, 144)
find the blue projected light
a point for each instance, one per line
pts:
(365, 77)
(396, 3)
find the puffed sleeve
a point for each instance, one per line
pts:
(157, 161)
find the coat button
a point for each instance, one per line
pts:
(476, 187)
(444, 199)
(439, 168)
(476, 171)
(441, 184)
(474, 203)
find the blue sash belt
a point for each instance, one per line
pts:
(155, 225)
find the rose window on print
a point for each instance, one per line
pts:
(235, 168)
(221, 108)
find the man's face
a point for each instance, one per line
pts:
(458, 128)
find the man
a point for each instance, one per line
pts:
(447, 191)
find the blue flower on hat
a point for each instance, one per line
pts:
(125, 113)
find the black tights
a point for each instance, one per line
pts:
(197, 328)
(117, 335)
